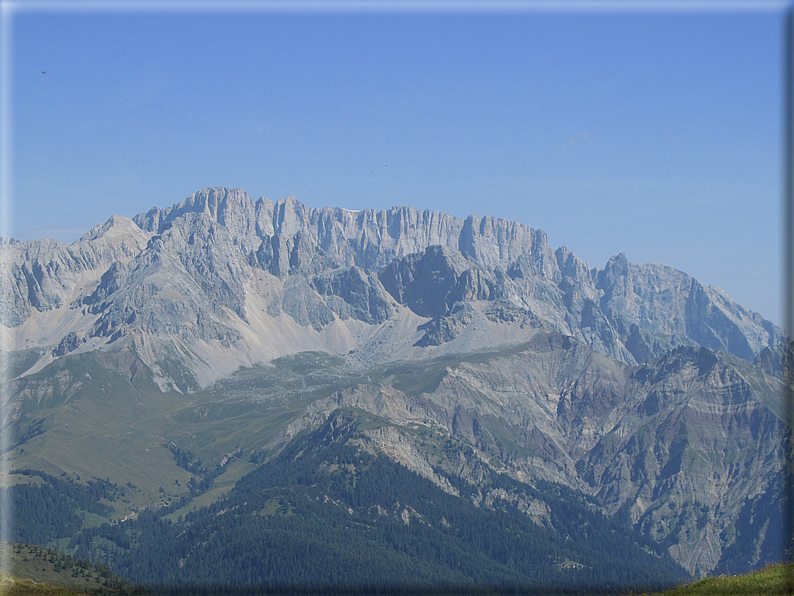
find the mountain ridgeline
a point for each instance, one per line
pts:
(383, 394)
(219, 267)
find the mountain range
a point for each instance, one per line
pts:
(175, 357)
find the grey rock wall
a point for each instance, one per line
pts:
(195, 271)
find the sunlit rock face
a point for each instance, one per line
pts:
(207, 268)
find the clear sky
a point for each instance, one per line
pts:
(656, 133)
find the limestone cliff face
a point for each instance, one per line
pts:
(222, 269)
(665, 302)
(42, 275)
(431, 282)
(367, 239)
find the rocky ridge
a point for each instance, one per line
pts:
(222, 278)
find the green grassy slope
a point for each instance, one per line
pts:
(86, 416)
(82, 416)
(771, 581)
(10, 585)
(38, 570)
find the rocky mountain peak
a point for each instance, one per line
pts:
(116, 226)
(224, 268)
(289, 216)
(231, 207)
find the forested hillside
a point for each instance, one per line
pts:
(329, 513)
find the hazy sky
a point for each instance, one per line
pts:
(656, 133)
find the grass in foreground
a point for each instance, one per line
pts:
(771, 581)
(15, 586)
(39, 571)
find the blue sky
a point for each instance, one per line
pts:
(651, 132)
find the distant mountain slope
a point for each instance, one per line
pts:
(685, 448)
(678, 446)
(330, 513)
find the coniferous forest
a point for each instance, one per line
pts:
(330, 515)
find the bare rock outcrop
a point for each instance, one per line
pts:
(221, 267)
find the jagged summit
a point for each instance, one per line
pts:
(222, 280)
(114, 227)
